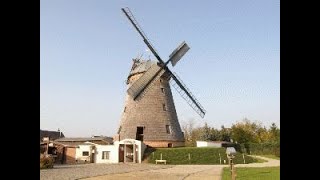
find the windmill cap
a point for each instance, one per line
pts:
(140, 66)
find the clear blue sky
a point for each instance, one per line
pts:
(233, 66)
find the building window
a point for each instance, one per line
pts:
(85, 153)
(125, 108)
(105, 154)
(168, 129)
(164, 107)
(162, 90)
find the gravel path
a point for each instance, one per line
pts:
(142, 171)
(178, 172)
(64, 172)
(270, 163)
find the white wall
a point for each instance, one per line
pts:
(213, 144)
(141, 146)
(84, 147)
(113, 149)
(208, 144)
(202, 144)
(113, 155)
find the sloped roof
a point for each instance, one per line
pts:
(51, 134)
(69, 144)
(77, 140)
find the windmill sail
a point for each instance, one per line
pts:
(177, 54)
(140, 85)
(133, 21)
(155, 72)
(186, 94)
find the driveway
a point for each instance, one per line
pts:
(142, 171)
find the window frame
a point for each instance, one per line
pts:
(85, 152)
(168, 129)
(105, 155)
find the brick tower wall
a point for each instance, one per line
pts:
(147, 111)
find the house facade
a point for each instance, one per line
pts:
(74, 152)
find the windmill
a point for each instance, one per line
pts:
(149, 114)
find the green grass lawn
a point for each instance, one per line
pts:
(265, 173)
(203, 155)
(270, 156)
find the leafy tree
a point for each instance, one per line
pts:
(274, 133)
(225, 134)
(190, 134)
(245, 132)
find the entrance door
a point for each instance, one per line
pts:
(139, 134)
(92, 158)
(129, 153)
(121, 153)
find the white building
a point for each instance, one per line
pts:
(216, 144)
(127, 150)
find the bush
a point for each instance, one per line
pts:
(46, 162)
(263, 148)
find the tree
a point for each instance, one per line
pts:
(245, 132)
(205, 133)
(225, 134)
(274, 133)
(188, 129)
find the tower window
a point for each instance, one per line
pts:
(119, 130)
(164, 107)
(125, 108)
(162, 90)
(168, 129)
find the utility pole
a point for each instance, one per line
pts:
(232, 168)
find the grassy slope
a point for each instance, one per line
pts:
(265, 173)
(204, 155)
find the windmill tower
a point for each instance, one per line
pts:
(149, 114)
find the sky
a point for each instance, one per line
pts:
(86, 51)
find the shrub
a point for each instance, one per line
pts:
(46, 162)
(263, 148)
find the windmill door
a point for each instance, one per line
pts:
(139, 134)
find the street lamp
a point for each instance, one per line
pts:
(231, 154)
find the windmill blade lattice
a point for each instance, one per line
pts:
(133, 21)
(154, 73)
(186, 94)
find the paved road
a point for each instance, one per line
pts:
(142, 171)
